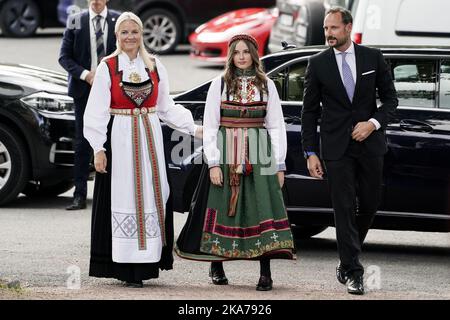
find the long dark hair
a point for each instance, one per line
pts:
(230, 69)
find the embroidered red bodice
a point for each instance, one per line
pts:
(126, 95)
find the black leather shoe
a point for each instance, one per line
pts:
(341, 274)
(218, 276)
(264, 284)
(355, 285)
(137, 284)
(78, 203)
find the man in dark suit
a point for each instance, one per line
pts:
(345, 79)
(88, 38)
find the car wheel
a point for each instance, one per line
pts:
(162, 31)
(44, 189)
(19, 18)
(309, 28)
(14, 165)
(306, 232)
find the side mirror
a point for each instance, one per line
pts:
(287, 46)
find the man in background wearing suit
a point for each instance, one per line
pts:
(88, 38)
(345, 79)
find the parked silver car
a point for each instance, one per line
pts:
(300, 23)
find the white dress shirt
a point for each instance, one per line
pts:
(351, 61)
(104, 25)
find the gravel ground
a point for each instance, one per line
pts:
(40, 241)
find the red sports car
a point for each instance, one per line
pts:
(210, 40)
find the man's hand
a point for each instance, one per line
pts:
(215, 174)
(314, 166)
(362, 130)
(280, 176)
(90, 77)
(100, 161)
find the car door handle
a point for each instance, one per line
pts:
(414, 125)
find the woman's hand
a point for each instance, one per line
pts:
(280, 176)
(199, 132)
(215, 174)
(100, 161)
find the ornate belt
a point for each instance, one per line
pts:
(232, 122)
(132, 112)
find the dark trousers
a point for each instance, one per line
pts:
(355, 186)
(83, 151)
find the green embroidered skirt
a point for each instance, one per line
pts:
(259, 227)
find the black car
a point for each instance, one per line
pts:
(416, 190)
(21, 18)
(37, 126)
(169, 22)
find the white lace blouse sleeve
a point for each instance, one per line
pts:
(96, 115)
(275, 125)
(211, 123)
(175, 115)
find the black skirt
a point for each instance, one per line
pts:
(101, 264)
(189, 239)
(188, 242)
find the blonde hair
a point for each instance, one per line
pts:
(147, 57)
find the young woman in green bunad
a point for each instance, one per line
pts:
(237, 210)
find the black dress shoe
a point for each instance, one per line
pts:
(355, 285)
(78, 203)
(264, 284)
(134, 284)
(341, 274)
(218, 276)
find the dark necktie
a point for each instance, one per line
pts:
(99, 39)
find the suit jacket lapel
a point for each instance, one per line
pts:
(335, 75)
(359, 62)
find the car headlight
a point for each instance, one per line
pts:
(50, 102)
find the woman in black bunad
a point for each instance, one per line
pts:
(132, 219)
(238, 210)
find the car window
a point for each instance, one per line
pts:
(444, 85)
(279, 79)
(289, 82)
(296, 79)
(415, 82)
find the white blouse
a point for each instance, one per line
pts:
(273, 122)
(96, 116)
